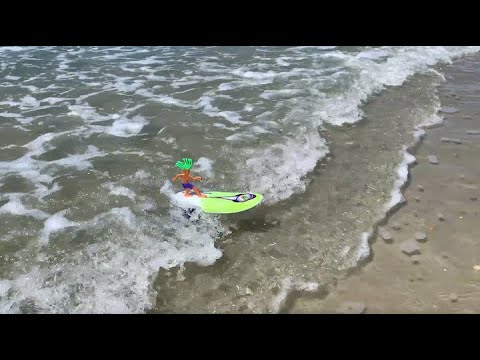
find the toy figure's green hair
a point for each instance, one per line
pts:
(186, 164)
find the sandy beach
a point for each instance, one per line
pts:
(426, 255)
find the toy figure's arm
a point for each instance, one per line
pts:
(176, 177)
(195, 177)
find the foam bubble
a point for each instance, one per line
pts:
(223, 126)
(55, 100)
(167, 189)
(229, 86)
(248, 108)
(15, 207)
(120, 191)
(378, 54)
(168, 100)
(26, 165)
(28, 102)
(432, 120)
(126, 215)
(231, 116)
(151, 60)
(363, 249)
(54, 224)
(10, 115)
(281, 94)
(141, 174)
(402, 176)
(4, 287)
(127, 127)
(86, 112)
(79, 161)
(246, 82)
(43, 191)
(30, 88)
(64, 76)
(121, 86)
(178, 84)
(255, 74)
(259, 130)
(155, 78)
(281, 62)
(145, 93)
(240, 137)
(288, 284)
(203, 165)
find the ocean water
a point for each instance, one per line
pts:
(89, 137)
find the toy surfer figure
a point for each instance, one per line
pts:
(185, 165)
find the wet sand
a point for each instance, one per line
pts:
(438, 226)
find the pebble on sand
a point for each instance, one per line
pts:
(473, 198)
(417, 199)
(432, 159)
(395, 226)
(440, 217)
(386, 236)
(420, 188)
(453, 297)
(473, 132)
(420, 236)
(450, 140)
(476, 268)
(351, 308)
(410, 247)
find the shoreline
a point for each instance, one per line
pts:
(391, 281)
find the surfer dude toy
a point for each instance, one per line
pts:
(185, 165)
(210, 202)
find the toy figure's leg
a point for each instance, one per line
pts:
(199, 193)
(187, 193)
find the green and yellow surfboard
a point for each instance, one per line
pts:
(219, 202)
